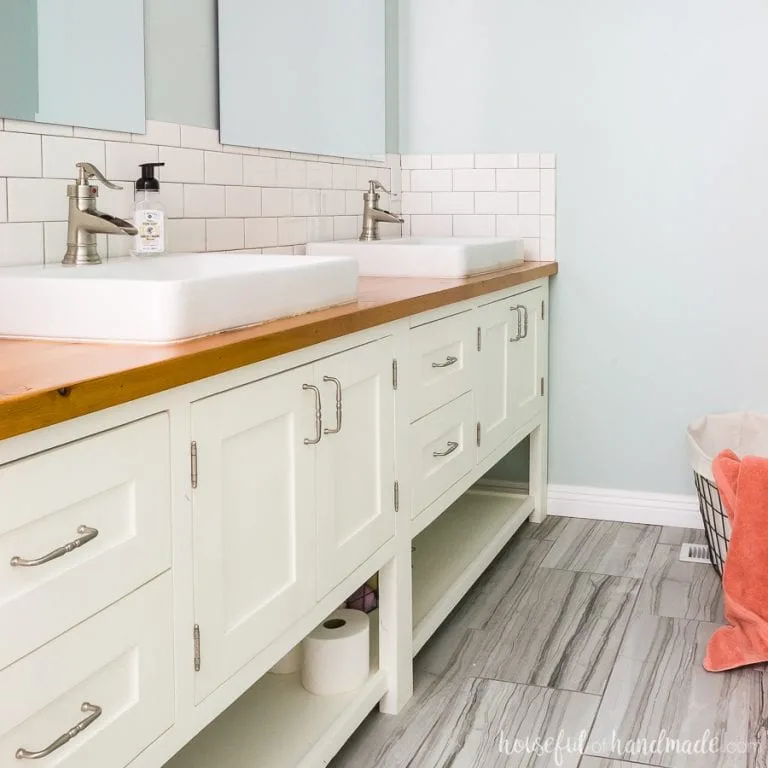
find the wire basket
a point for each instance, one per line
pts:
(717, 527)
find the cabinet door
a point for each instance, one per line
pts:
(355, 465)
(254, 519)
(526, 358)
(498, 323)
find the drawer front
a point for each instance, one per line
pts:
(120, 662)
(441, 355)
(117, 484)
(443, 445)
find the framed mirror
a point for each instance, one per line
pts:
(74, 63)
(304, 76)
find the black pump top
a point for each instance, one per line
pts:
(148, 180)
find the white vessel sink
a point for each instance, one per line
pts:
(427, 256)
(168, 298)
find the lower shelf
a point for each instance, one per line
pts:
(279, 724)
(451, 553)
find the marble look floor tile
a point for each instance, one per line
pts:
(550, 529)
(616, 549)
(680, 590)
(563, 631)
(484, 723)
(600, 762)
(659, 688)
(680, 536)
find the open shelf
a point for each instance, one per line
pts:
(451, 553)
(279, 724)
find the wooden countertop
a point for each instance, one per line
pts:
(44, 383)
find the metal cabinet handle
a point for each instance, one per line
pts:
(318, 415)
(339, 406)
(519, 322)
(86, 534)
(450, 360)
(94, 714)
(525, 321)
(452, 446)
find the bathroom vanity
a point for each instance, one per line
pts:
(184, 515)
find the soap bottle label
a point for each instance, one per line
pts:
(151, 227)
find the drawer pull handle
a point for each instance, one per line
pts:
(519, 310)
(450, 360)
(525, 321)
(452, 446)
(339, 406)
(318, 415)
(86, 534)
(94, 714)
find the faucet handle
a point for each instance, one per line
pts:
(88, 171)
(374, 185)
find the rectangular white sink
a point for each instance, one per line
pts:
(168, 298)
(427, 256)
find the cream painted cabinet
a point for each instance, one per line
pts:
(355, 460)
(254, 519)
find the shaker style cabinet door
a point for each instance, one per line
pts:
(526, 358)
(254, 519)
(355, 460)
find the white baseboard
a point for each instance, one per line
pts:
(624, 506)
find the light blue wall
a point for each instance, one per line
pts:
(182, 62)
(658, 113)
(18, 55)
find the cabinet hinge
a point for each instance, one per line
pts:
(394, 374)
(542, 386)
(397, 496)
(196, 638)
(479, 339)
(479, 434)
(193, 464)
(542, 309)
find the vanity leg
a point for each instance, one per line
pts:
(395, 629)
(538, 472)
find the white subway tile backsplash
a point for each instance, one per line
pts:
(453, 202)
(344, 177)
(496, 202)
(195, 137)
(100, 135)
(417, 202)
(291, 231)
(160, 133)
(21, 244)
(224, 234)
(223, 168)
(496, 161)
(474, 226)
(432, 181)
(259, 171)
(354, 202)
(521, 180)
(181, 165)
(547, 248)
(37, 200)
(530, 202)
(319, 175)
(276, 202)
(123, 159)
(186, 235)
(42, 129)
(531, 248)
(528, 160)
(3, 200)
(416, 162)
(204, 201)
(333, 202)
(291, 173)
(62, 153)
(478, 180)
(306, 202)
(345, 228)
(547, 160)
(453, 161)
(117, 246)
(117, 202)
(518, 226)
(243, 202)
(389, 230)
(260, 233)
(432, 226)
(173, 199)
(20, 154)
(319, 229)
(286, 250)
(548, 201)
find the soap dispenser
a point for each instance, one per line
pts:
(149, 214)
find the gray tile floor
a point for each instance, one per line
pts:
(591, 635)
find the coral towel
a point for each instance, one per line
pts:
(743, 486)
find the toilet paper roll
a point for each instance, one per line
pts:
(290, 663)
(337, 654)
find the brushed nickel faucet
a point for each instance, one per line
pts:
(372, 214)
(85, 221)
